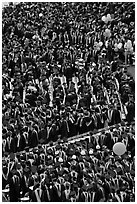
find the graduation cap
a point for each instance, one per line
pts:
(50, 162)
(6, 154)
(87, 158)
(84, 187)
(4, 162)
(90, 145)
(118, 169)
(58, 146)
(112, 173)
(90, 186)
(12, 156)
(78, 143)
(26, 170)
(132, 172)
(72, 194)
(41, 150)
(72, 152)
(13, 172)
(107, 176)
(60, 173)
(57, 164)
(18, 166)
(86, 164)
(34, 169)
(127, 168)
(26, 149)
(70, 146)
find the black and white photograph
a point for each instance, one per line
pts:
(68, 101)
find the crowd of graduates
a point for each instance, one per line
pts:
(64, 73)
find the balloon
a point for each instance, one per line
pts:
(91, 151)
(119, 45)
(83, 153)
(115, 49)
(129, 44)
(115, 45)
(108, 17)
(95, 44)
(74, 157)
(106, 20)
(131, 49)
(32, 88)
(103, 18)
(107, 30)
(119, 148)
(100, 44)
(40, 15)
(107, 33)
(60, 160)
(97, 147)
(126, 30)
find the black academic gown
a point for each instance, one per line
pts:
(54, 195)
(14, 190)
(130, 112)
(109, 142)
(72, 128)
(63, 129)
(42, 135)
(116, 118)
(5, 181)
(22, 143)
(106, 188)
(33, 139)
(43, 197)
(13, 144)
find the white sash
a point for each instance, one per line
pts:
(38, 196)
(86, 196)
(67, 192)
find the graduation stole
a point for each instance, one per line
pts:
(9, 141)
(67, 125)
(5, 176)
(47, 190)
(58, 186)
(4, 144)
(67, 192)
(15, 179)
(73, 199)
(18, 136)
(38, 195)
(117, 197)
(86, 196)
